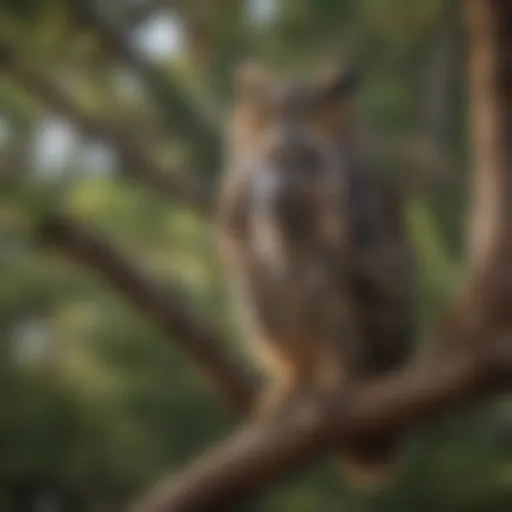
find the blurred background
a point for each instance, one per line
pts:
(96, 403)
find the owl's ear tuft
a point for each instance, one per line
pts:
(251, 105)
(333, 98)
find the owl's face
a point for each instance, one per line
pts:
(292, 141)
(293, 124)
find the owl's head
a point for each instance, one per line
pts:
(290, 118)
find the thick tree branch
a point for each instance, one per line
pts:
(490, 42)
(260, 454)
(487, 291)
(184, 188)
(166, 307)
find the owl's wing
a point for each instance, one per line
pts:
(231, 221)
(382, 271)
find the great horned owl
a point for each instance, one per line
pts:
(316, 248)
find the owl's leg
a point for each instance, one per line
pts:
(292, 374)
(337, 355)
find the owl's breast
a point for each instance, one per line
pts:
(292, 304)
(284, 214)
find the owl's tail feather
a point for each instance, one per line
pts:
(372, 464)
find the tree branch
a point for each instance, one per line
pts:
(490, 66)
(175, 183)
(166, 307)
(260, 454)
(179, 111)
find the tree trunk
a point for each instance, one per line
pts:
(490, 62)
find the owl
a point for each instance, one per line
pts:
(318, 258)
